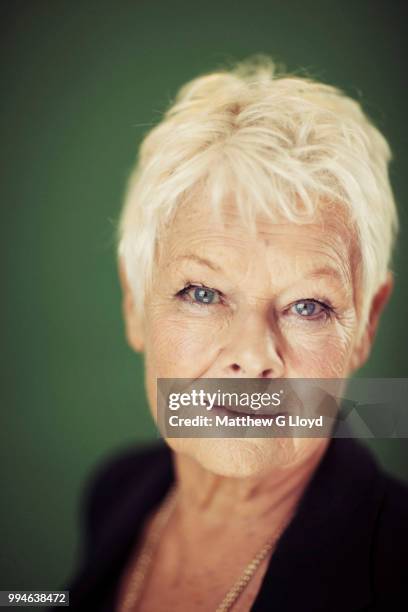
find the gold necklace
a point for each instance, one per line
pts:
(148, 548)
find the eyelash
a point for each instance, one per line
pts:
(328, 310)
(184, 292)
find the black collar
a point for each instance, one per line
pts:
(322, 560)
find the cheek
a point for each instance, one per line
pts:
(323, 354)
(176, 346)
(180, 346)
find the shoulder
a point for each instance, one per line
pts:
(108, 486)
(367, 526)
(392, 522)
(382, 495)
(390, 542)
(125, 468)
(395, 505)
(121, 468)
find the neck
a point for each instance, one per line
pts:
(265, 500)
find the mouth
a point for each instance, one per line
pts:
(236, 411)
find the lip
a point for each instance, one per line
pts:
(235, 411)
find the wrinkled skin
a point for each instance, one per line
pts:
(282, 303)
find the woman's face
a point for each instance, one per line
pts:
(225, 303)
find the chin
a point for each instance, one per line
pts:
(241, 457)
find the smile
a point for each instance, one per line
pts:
(234, 411)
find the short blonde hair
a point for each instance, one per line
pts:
(279, 143)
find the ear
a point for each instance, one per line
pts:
(378, 303)
(132, 319)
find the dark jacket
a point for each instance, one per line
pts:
(345, 550)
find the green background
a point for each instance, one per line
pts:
(81, 83)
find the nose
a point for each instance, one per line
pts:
(253, 349)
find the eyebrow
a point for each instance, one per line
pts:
(327, 271)
(200, 260)
(323, 271)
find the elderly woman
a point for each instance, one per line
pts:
(255, 242)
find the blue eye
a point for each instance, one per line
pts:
(310, 309)
(204, 295)
(200, 295)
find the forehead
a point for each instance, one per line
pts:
(196, 230)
